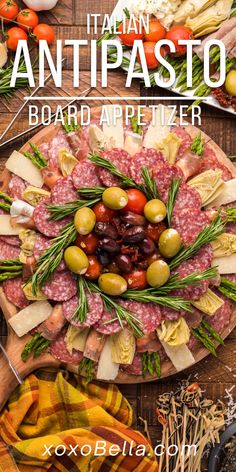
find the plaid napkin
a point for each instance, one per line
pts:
(53, 415)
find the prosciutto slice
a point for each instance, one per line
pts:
(226, 33)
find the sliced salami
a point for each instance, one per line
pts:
(16, 187)
(59, 351)
(187, 197)
(170, 314)
(58, 142)
(14, 293)
(11, 240)
(109, 328)
(61, 287)
(42, 243)
(42, 222)
(146, 158)
(121, 159)
(63, 191)
(186, 140)
(164, 174)
(85, 175)
(44, 148)
(95, 306)
(189, 222)
(209, 161)
(222, 317)
(8, 251)
(135, 368)
(149, 314)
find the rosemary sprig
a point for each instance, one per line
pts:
(198, 145)
(82, 309)
(91, 192)
(37, 157)
(105, 164)
(172, 194)
(228, 288)
(70, 127)
(147, 296)
(5, 206)
(61, 211)
(151, 363)
(108, 35)
(136, 128)
(87, 366)
(35, 346)
(190, 280)
(208, 234)
(5, 78)
(150, 185)
(231, 214)
(10, 268)
(50, 260)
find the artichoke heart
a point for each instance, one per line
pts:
(209, 185)
(33, 195)
(224, 245)
(28, 291)
(169, 146)
(123, 347)
(209, 303)
(67, 162)
(98, 141)
(191, 9)
(76, 338)
(174, 333)
(28, 237)
(211, 19)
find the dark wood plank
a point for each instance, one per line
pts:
(93, 6)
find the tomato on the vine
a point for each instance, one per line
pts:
(27, 19)
(43, 31)
(136, 201)
(88, 243)
(8, 10)
(128, 37)
(94, 269)
(155, 31)
(175, 34)
(14, 35)
(136, 279)
(103, 213)
(149, 51)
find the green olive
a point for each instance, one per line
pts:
(169, 243)
(158, 273)
(85, 220)
(112, 284)
(230, 83)
(115, 198)
(76, 260)
(155, 211)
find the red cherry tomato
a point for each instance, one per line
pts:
(28, 18)
(8, 10)
(154, 231)
(136, 279)
(156, 31)
(103, 213)
(43, 31)
(88, 243)
(136, 201)
(94, 269)
(14, 36)
(175, 34)
(149, 51)
(128, 37)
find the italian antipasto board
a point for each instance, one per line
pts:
(117, 249)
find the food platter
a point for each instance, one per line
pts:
(14, 344)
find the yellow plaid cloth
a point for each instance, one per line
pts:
(51, 416)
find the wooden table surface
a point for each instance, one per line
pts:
(69, 20)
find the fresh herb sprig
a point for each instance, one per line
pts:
(10, 268)
(228, 288)
(198, 145)
(6, 91)
(150, 185)
(174, 283)
(172, 194)
(112, 34)
(37, 157)
(151, 364)
(136, 128)
(52, 257)
(35, 346)
(105, 164)
(70, 127)
(6, 204)
(204, 333)
(86, 366)
(206, 236)
(82, 309)
(91, 192)
(147, 296)
(61, 211)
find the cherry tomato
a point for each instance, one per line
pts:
(88, 243)
(103, 213)
(136, 279)
(128, 37)
(94, 269)
(43, 31)
(14, 35)
(8, 10)
(136, 201)
(156, 31)
(175, 34)
(28, 18)
(154, 231)
(149, 51)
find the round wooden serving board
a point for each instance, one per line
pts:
(14, 345)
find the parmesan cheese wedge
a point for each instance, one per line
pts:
(98, 140)
(6, 228)
(133, 143)
(30, 317)
(180, 356)
(24, 168)
(158, 129)
(227, 195)
(226, 265)
(114, 129)
(107, 369)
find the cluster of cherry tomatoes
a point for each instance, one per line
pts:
(156, 33)
(27, 25)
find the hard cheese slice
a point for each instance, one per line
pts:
(226, 265)
(24, 168)
(5, 226)
(114, 129)
(180, 356)
(30, 317)
(159, 128)
(226, 196)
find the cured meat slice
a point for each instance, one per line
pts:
(135, 368)
(209, 161)
(8, 251)
(14, 293)
(148, 343)
(44, 148)
(121, 159)
(63, 191)
(43, 224)
(189, 222)
(186, 140)
(58, 142)
(164, 174)
(11, 240)
(95, 305)
(61, 287)
(109, 328)
(59, 351)
(187, 197)
(231, 228)
(193, 319)
(146, 158)
(170, 314)
(42, 243)
(149, 314)
(16, 187)
(222, 317)
(85, 175)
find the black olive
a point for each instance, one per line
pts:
(124, 263)
(148, 247)
(133, 219)
(106, 229)
(110, 246)
(134, 235)
(103, 256)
